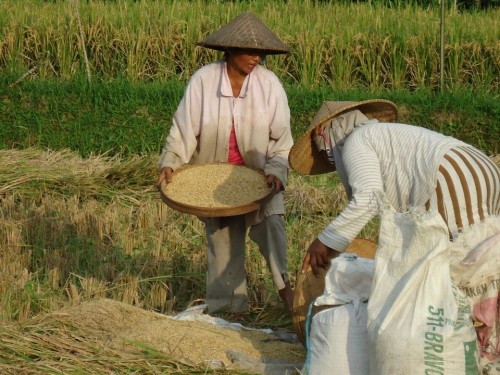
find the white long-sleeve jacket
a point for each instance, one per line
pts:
(386, 163)
(202, 124)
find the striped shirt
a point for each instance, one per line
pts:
(408, 166)
(467, 189)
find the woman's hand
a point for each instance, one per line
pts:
(318, 255)
(165, 174)
(278, 185)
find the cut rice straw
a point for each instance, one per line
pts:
(57, 346)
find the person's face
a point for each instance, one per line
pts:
(244, 60)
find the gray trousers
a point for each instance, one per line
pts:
(226, 277)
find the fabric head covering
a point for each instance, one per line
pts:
(245, 32)
(305, 157)
(331, 138)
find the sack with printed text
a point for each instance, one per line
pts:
(418, 321)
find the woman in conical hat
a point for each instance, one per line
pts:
(235, 110)
(405, 166)
(439, 200)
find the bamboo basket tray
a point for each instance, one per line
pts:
(309, 287)
(216, 190)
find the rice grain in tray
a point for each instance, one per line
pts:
(218, 189)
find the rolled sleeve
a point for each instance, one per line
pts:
(362, 167)
(182, 138)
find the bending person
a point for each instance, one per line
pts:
(405, 165)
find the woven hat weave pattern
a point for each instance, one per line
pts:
(304, 157)
(247, 32)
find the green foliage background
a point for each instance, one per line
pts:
(120, 117)
(140, 55)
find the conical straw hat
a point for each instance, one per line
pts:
(305, 158)
(248, 32)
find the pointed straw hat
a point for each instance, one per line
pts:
(304, 156)
(246, 32)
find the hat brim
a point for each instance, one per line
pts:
(305, 158)
(245, 32)
(224, 48)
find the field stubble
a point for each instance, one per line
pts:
(65, 245)
(70, 234)
(73, 229)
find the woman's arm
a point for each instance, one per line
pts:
(362, 167)
(181, 141)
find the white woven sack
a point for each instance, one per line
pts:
(349, 279)
(418, 322)
(338, 341)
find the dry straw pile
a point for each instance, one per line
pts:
(110, 337)
(75, 230)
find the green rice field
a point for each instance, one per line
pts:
(340, 45)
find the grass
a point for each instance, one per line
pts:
(82, 219)
(126, 118)
(70, 234)
(61, 247)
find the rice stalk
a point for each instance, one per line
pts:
(57, 345)
(66, 173)
(154, 40)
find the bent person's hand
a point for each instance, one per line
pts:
(165, 174)
(318, 255)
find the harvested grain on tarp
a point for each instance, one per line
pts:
(118, 329)
(217, 186)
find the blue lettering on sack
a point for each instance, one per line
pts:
(433, 342)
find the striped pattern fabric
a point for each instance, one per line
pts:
(468, 189)
(407, 166)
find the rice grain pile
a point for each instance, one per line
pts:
(219, 185)
(114, 326)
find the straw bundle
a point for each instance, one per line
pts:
(110, 337)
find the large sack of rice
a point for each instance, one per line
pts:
(338, 341)
(418, 321)
(309, 286)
